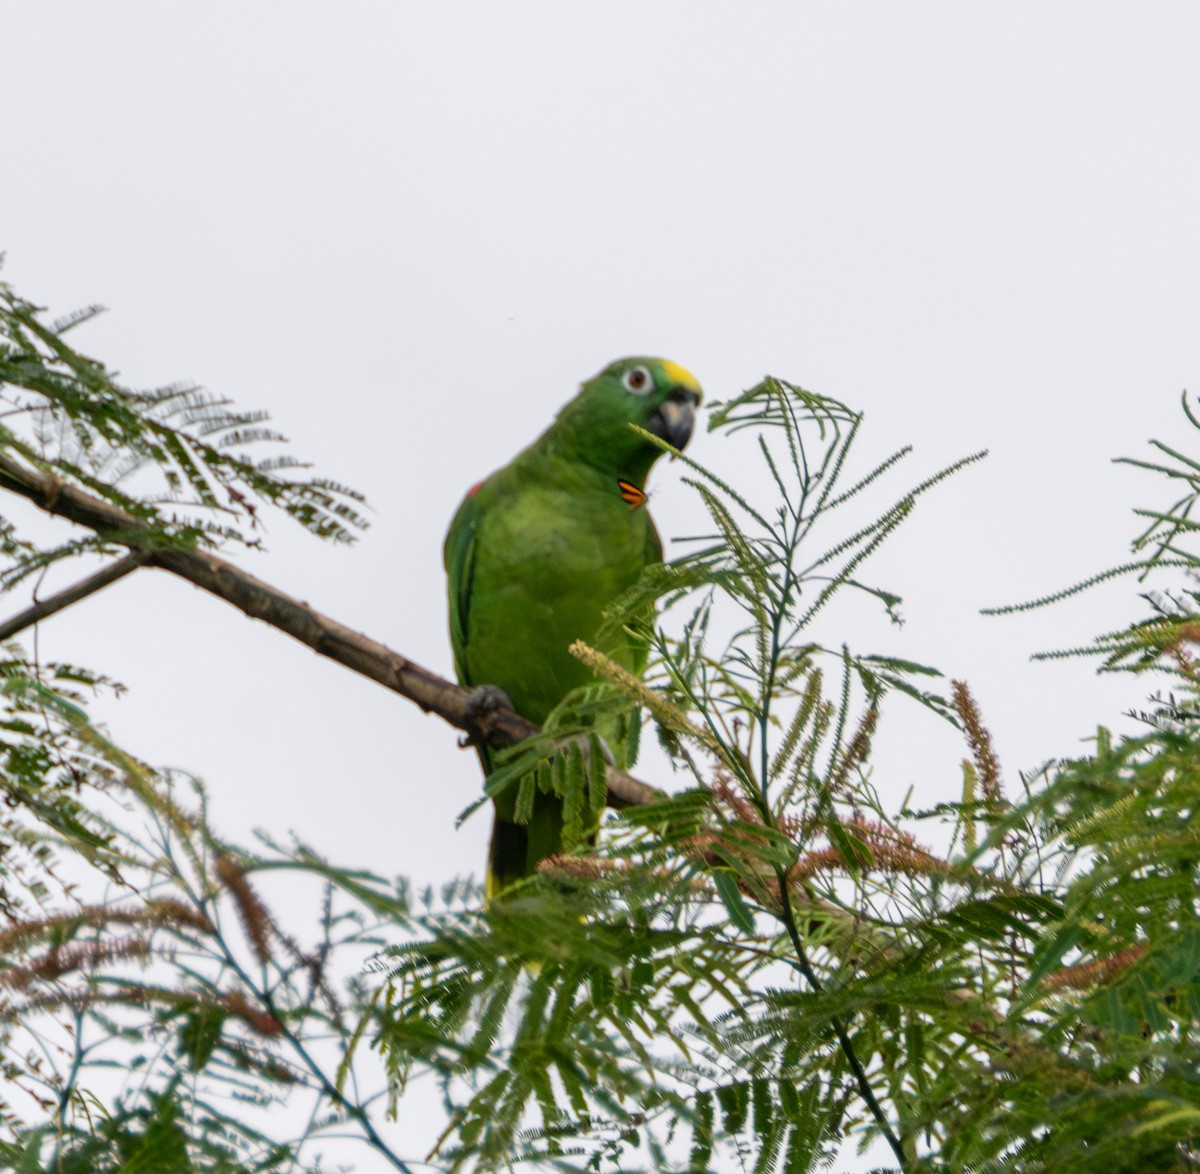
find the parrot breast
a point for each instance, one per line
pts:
(546, 566)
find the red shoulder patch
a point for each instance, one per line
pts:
(475, 489)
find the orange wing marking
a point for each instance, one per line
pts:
(631, 494)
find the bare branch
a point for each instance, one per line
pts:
(81, 590)
(261, 601)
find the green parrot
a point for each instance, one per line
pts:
(540, 548)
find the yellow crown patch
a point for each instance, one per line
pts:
(680, 375)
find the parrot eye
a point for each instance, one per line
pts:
(638, 381)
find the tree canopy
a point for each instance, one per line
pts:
(744, 973)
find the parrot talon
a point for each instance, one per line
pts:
(482, 701)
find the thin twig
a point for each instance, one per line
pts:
(81, 590)
(261, 601)
(844, 1042)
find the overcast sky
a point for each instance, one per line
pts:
(410, 230)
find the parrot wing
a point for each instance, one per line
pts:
(459, 554)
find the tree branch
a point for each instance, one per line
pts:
(81, 590)
(261, 601)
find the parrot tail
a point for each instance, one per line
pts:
(516, 848)
(507, 856)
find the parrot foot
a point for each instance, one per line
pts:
(481, 701)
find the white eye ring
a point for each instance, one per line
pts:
(639, 381)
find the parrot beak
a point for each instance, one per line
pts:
(673, 419)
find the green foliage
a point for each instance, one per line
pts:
(743, 975)
(183, 981)
(177, 458)
(1158, 641)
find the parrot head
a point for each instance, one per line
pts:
(655, 394)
